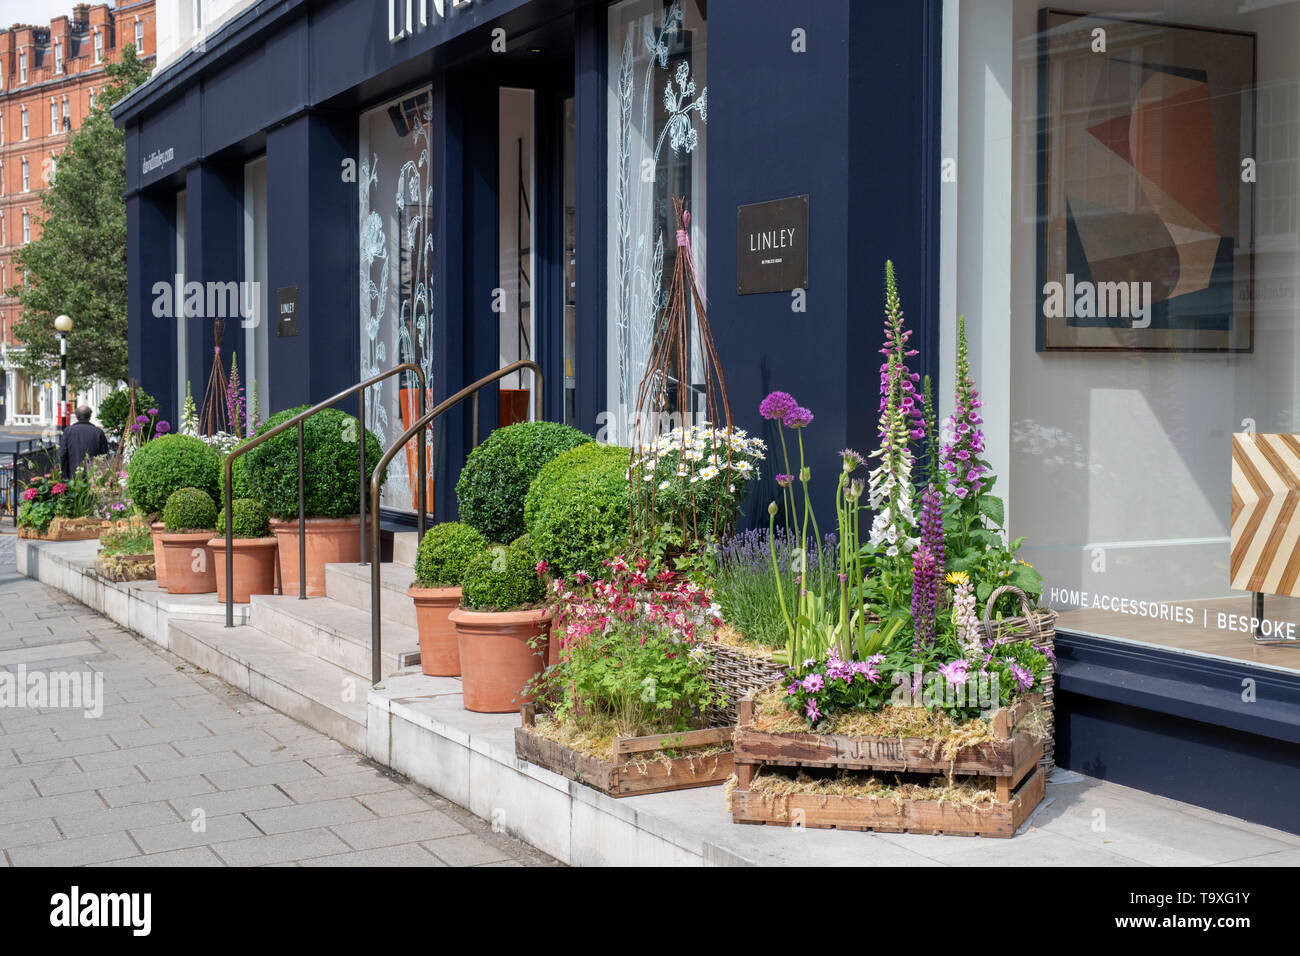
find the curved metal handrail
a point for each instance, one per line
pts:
(419, 428)
(298, 419)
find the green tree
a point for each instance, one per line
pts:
(78, 265)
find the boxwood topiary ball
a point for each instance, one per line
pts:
(577, 508)
(189, 509)
(502, 578)
(444, 553)
(330, 454)
(496, 476)
(168, 463)
(249, 519)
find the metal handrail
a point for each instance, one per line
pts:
(419, 428)
(361, 480)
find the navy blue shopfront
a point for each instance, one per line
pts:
(262, 156)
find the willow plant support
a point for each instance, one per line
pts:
(213, 416)
(665, 395)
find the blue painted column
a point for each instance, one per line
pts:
(853, 123)
(150, 259)
(312, 244)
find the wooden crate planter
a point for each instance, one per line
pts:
(1012, 760)
(67, 529)
(126, 567)
(639, 766)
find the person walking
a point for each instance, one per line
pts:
(80, 441)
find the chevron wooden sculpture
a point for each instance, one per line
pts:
(1265, 535)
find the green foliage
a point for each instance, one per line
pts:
(330, 456)
(248, 518)
(502, 578)
(496, 476)
(445, 552)
(168, 463)
(115, 409)
(577, 507)
(78, 264)
(132, 538)
(189, 509)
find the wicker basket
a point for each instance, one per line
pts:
(737, 672)
(1042, 626)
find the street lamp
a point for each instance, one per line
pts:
(63, 325)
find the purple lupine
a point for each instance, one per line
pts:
(932, 526)
(924, 575)
(965, 440)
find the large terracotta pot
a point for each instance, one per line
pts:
(439, 643)
(329, 541)
(253, 567)
(495, 659)
(190, 568)
(159, 557)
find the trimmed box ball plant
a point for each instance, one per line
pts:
(496, 476)
(625, 709)
(253, 550)
(189, 517)
(331, 497)
(901, 708)
(163, 466)
(501, 627)
(577, 508)
(440, 563)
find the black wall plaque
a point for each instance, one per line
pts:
(286, 311)
(772, 246)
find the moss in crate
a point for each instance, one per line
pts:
(728, 635)
(596, 738)
(773, 783)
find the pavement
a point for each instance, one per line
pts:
(180, 769)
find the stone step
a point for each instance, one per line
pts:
(334, 632)
(350, 584)
(405, 544)
(322, 695)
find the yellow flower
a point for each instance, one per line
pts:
(957, 577)
(1028, 565)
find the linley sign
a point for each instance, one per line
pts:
(412, 16)
(772, 246)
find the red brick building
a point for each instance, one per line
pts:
(49, 79)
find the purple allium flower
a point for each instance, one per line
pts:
(799, 417)
(162, 428)
(852, 460)
(135, 427)
(777, 406)
(785, 481)
(152, 412)
(141, 419)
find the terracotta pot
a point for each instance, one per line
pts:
(159, 556)
(495, 659)
(439, 644)
(190, 568)
(253, 567)
(329, 541)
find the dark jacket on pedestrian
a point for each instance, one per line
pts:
(80, 441)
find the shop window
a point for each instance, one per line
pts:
(515, 233)
(396, 179)
(255, 363)
(656, 130)
(1130, 198)
(182, 330)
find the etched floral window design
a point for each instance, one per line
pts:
(395, 179)
(658, 108)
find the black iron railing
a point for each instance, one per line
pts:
(297, 420)
(418, 429)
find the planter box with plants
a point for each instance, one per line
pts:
(54, 508)
(441, 560)
(331, 496)
(899, 708)
(501, 627)
(126, 551)
(189, 519)
(161, 467)
(625, 709)
(253, 550)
